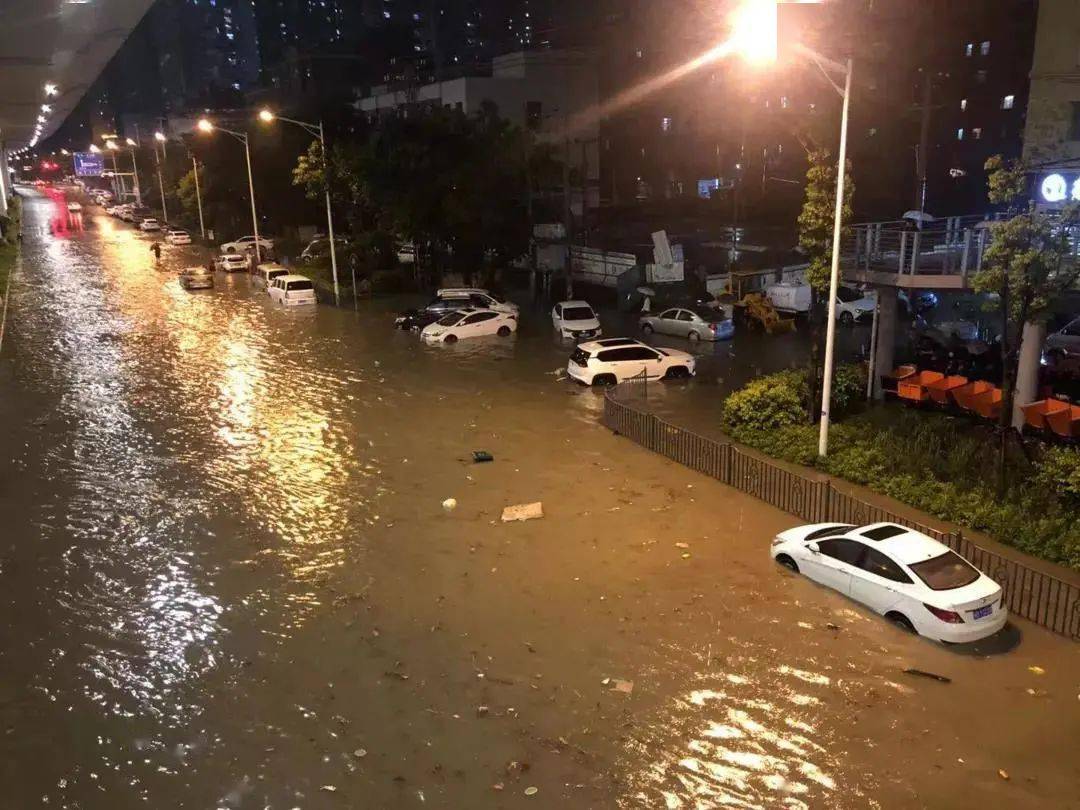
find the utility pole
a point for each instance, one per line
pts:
(568, 215)
(198, 195)
(924, 142)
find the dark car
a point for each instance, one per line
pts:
(414, 320)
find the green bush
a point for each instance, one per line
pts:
(391, 281)
(1059, 472)
(766, 403)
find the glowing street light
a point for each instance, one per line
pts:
(754, 31)
(111, 145)
(208, 127)
(158, 136)
(95, 148)
(130, 142)
(317, 130)
(51, 89)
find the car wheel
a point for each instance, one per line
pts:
(847, 319)
(647, 328)
(450, 339)
(788, 563)
(605, 380)
(901, 621)
(693, 337)
(677, 373)
(504, 331)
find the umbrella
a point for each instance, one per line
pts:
(649, 291)
(918, 216)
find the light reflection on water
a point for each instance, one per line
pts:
(735, 741)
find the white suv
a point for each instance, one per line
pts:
(615, 360)
(292, 291)
(451, 299)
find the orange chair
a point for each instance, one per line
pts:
(1065, 423)
(939, 391)
(988, 404)
(903, 372)
(964, 396)
(1037, 413)
(913, 388)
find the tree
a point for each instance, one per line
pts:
(816, 224)
(1030, 264)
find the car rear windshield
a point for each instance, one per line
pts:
(580, 356)
(710, 315)
(301, 285)
(945, 572)
(577, 314)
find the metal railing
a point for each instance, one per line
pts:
(1033, 595)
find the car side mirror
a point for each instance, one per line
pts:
(813, 548)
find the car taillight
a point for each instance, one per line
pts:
(949, 616)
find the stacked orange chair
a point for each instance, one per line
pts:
(939, 391)
(988, 404)
(1065, 423)
(1037, 413)
(913, 388)
(965, 395)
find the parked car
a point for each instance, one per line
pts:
(320, 246)
(907, 577)
(149, 224)
(196, 278)
(469, 323)
(231, 262)
(575, 319)
(694, 325)
(1063, 345)
(611, 361)
(450, 299)
(266, 274)
(175, 236)
(413, 320)
(406, 253)
(290, 290)
(854, 305)
(246, 243)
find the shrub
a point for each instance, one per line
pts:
(767, 403)
(1059, 472)
(849, 389)
(391, 281)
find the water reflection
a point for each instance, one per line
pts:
(740, 741)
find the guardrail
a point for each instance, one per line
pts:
(1033, 595)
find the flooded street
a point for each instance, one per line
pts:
(228, 581)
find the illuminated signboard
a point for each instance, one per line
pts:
(1059, 188)
(88, 164)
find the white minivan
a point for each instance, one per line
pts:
(267, 273)
(289, 291)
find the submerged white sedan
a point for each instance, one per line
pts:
(911, 579)
(469, 323)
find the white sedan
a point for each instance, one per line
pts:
(246, 243)
(575, 319)
(232, 262)
(175, 236)
(911, 579)
(149, 224)
(469, 323)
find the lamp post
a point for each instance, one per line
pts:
(205, 125)
(134, 172)
(198, 195)
(267, 116)
(755, 35)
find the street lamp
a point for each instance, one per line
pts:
(207, 127)
(754, 35)
(266, 116)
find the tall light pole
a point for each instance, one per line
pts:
(317, 130)
(134, 172)
(755, 36)
(159, 138)
(205, 125)
(198, 195)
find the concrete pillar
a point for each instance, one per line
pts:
(885, 354)
(1027, 370)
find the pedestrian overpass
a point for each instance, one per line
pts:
(51, 51)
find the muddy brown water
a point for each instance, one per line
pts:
(228, 581)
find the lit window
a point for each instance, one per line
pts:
(969, 49)
(1008, 102)
(984, 49)
(784, 102)
(963, 104)
(976, 133)
(665, 124)
(960, 134)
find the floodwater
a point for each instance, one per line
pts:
(227, 580)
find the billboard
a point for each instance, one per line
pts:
(89, 164)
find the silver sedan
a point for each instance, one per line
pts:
(692, 324)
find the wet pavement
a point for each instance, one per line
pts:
(228, 580)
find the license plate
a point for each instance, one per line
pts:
(983, 612)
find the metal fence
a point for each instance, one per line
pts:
(1033, 595)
